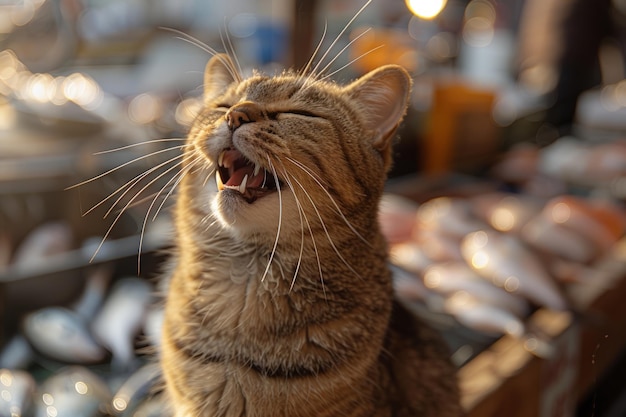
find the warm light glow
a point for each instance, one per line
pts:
(47, 399)
(120, 404)
(561, 213)
(81, 387)
(6, 378)
(480, 260)
(432, 278)
(426, 9)
(502, 219)
(511, 284)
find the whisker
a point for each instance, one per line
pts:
(181, 177)
(280, 219)
(178, 176)
(123, 210)
(145, 174)
(302, 214)
(130, 184)
(351, 62)
(203, 46)
(323, 224)
(307, 67)
(367, 3)
(356, 38)
(230, 49)
(308, 171)
(147, 142)
(139, 158)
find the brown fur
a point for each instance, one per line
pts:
(315, 333)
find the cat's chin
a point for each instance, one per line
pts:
(236, 212)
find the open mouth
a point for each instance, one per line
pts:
(235, 172)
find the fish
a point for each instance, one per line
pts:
(450, 277)
(153, 325)
(16, 353)
(73, 391)
(119, 321)
(555, 239)
(137, 387)
(48, 239)
(503, 260)
(96, 285)
(61, 334)
(153, 407)
(484, 318)
(17, 390)
(506, 212)
(448, 215)
(407, 285)
(438, 246)
(600, 222)
(409, 256)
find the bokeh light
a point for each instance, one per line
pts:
(426, 9)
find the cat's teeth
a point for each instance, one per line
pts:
(242, 186)
(220, 159)
(257, 169)
(218, 180)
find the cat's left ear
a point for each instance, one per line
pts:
(220, 72)
(383, 96)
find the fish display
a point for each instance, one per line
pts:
(121, 318)
(17, 389)
(495, 257)
(73, 391)
(61, 334)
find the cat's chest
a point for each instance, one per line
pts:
(242, 297)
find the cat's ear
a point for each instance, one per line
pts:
(220, 72)
(383, 96)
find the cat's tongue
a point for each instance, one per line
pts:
(252, 181)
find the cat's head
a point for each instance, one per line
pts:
(291, 152)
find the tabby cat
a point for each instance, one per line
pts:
(280, 300)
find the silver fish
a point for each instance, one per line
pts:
(62, 335)
(17, 389)
(97, 282)
(481, 317)
(409, 256)
(506, 212)
(16, 353)
(555, 239)
(46, 240)
(450, 277)
(121, 319)
(134, 390)
(153, 407)
(74, 391)
(505, 261)
(451, 216)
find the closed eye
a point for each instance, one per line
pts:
(298, 112)
(221, 107)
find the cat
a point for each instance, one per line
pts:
(279, 298)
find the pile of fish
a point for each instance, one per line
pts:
(491, 259)
(82, 360)
(593, 165)
(45, 241)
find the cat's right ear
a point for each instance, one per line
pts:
(220, 72)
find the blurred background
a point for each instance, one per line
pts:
(504, 209)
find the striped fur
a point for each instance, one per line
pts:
(284, 306)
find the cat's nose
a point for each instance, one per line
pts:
(241, 113)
